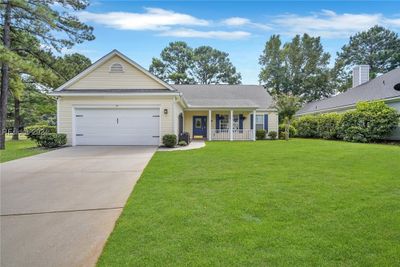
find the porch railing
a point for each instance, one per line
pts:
(237, 134)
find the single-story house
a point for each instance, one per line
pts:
(385, 88)
(117, 102)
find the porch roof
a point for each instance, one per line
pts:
(225, 96)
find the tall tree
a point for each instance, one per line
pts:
(180, 64)
(377, 47)
(43, 20)
(174, 64)
(287, 106)
(299, 67)
(271, 59)
(211, 66)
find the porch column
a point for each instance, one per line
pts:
(209, 124)
(231, 126)
(254, 125)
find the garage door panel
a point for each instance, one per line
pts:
(97, 126)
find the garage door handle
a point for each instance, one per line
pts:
(156, 136)
(79, 134)
(156, 116)
(117, 120)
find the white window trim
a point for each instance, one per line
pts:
(263, 121)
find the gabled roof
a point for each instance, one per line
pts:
(104, 59)
(225, 96)
(380, 88)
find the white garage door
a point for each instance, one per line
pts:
(106, 126)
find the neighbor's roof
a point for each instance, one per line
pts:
(380, 88)
(225, 96)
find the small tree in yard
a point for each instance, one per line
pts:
(287, 106)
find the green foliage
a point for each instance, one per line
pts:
(51, 140)
(211, 66)
(307, 126)
(34, 132)
(287, 106)
(292, 130)
(272, 135)
(328, 125)
(182, 143)
(180, 64)
(378, 47)
(371, 121)
(299, 68)
(169, 140)
(260, 134)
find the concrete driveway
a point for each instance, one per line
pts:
(58, 208)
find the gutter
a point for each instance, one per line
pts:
(115, 94)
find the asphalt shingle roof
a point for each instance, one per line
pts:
(225, 96)
(380, 88)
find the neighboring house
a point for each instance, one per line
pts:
(117, 102)
(385, 87)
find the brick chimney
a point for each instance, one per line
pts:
(360, 75)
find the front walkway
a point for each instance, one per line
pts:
(58, 208)
(196, 144)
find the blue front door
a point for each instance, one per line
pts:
(200, 126)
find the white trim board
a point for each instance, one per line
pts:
(104, 59)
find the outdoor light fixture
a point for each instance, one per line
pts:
(165, 111)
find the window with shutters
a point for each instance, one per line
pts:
(116, 68)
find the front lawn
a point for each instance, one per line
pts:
(265, 203)
(19, 149)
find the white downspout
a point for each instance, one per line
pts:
(231, 126)
(209, 124)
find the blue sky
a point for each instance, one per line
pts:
(141, 29)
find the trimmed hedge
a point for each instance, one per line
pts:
(35, 131)
(169, 140)
(272, 135)
(371, 121)
(328, 125)
(260, 134)
(51, 140)
(307, 126)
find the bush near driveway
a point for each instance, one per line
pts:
(307, 126)
(46, 136)
(169, 140)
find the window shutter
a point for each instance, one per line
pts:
(217, 121)
(241, 121)
(266, 122)
(251, 121)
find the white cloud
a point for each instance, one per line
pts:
(190, 33)
(152, 19)
(330, 24)
(239, 21)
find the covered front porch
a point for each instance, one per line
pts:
(220, 124)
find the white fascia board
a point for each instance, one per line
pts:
(114, 94)
(105, 58)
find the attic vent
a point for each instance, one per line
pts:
(116, 68)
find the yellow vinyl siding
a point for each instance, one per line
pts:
(102, 78)
(66, 105)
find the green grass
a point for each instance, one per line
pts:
(265, 203)
(19, 149)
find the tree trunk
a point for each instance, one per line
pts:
(17, 119)
(5, 76)
(287, 126)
